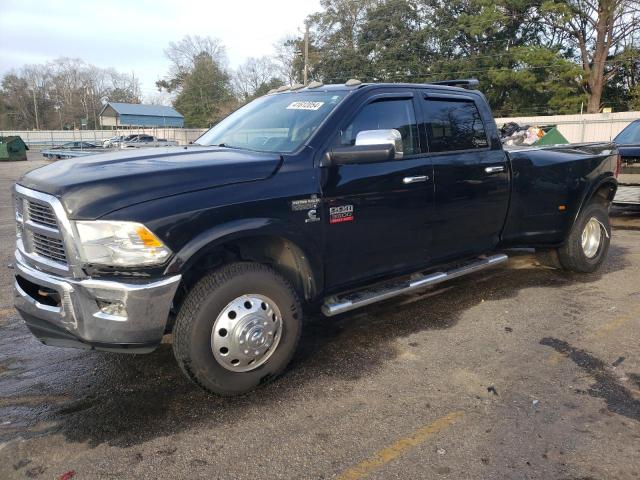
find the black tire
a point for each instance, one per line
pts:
(197, 315)
(571, 255)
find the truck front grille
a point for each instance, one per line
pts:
(41, 213)
(41, 240)
(49, 247)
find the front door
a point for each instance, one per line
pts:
(377, 215)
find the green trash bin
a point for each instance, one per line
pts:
(12, 149)
(552, 137)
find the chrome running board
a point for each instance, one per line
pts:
(343, 303)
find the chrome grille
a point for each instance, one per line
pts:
(41, 213)
(49, 247)
(41, 233)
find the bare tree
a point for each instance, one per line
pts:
(252, 74)
(598, 29)
(184, 53)
(286, 58)
(61, 93)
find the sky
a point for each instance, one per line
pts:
(130, 36)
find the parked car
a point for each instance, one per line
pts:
(331, 197)
(68, 149)
(75, 146)
(628, 142)
(139, 141)
(113, 141)
(116, 141)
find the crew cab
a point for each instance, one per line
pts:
(327, 197)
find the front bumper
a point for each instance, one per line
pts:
(68, 312)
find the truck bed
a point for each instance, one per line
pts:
(548, 186)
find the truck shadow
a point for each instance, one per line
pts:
(125, 400)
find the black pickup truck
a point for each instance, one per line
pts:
(325, 196)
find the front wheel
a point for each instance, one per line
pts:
(588, 242)
(237, 329)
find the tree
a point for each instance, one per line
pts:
(288, 59)
(205, 96)
(184, 54)
(598, 30)
(335, 40)
(60, 93)
(199, 77)
(541, 56)
(254, 74)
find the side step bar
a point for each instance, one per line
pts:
(340, 304)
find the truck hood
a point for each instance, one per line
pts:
(93, 186)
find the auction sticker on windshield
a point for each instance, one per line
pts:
(305, 105)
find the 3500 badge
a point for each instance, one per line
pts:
(343, 213)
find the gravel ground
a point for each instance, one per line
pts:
(520, 372)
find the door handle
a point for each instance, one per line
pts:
(421, 178)
(494, 169)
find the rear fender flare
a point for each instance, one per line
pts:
(589, 192)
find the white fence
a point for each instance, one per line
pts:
(47, 138)
(595, 127)
(576, 128)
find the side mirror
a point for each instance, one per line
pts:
(360, 154)
(381, 137)
(372, 146)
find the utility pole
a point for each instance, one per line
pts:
(305, 73)
(35, 106)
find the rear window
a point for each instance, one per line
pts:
(454, 125)
(630, 135)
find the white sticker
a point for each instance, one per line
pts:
(305, 105)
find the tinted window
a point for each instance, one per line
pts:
(454, 125)
(384, 115)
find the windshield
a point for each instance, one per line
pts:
(274, 123)
(630, 135)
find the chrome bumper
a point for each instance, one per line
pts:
(76, 317)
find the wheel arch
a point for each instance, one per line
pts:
(604, 190)
(260, 240)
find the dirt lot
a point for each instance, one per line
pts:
(521, 372)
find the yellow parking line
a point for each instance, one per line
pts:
(385, 455)
(618, 322)
(7, 311)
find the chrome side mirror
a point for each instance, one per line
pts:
(381, 137)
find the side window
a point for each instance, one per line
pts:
(454, 125)
(385, 114)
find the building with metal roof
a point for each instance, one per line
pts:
(115, 114)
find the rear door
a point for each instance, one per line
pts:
(377, 216)
(470, 173)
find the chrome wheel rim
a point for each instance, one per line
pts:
(591, 237)
(246, 333)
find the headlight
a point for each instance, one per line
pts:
(120, 244)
